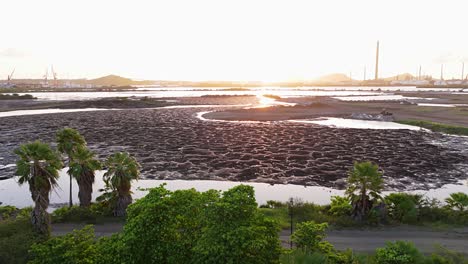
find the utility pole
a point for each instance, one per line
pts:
(419, 78)
(290, 207)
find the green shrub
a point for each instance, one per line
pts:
(78, 247)
(399, 252)
(340, 206)
(302, 257)
(445, 256)
(74, 214)
(403, 207)
(7, 212)
(273, 204)
(16, 237)
(309, 235)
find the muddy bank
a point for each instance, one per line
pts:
(124, 102)
(310, 107)
(173, 144)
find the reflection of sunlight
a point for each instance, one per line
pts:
(265, 101)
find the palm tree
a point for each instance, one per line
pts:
(82, 167)
(121, 170)
(457, 200)
(38, 165)
(364, 186)
(68, 141)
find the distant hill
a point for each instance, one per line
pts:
(333, 78)
(111, 80)
(115, 80)
(400, 77)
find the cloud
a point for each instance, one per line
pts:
(12, 53)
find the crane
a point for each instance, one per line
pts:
(54, 75)
(10, 76)
(46, 75)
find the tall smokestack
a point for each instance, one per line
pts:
(377, 62)
(419, 78)
(442, 72)
(463, 71)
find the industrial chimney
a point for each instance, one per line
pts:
(377, 62)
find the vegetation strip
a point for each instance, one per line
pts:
(437, 127)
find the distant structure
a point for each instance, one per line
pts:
(10, 78)
(442, 72)
(463, 71)
(377, 63)
(419, 76)
(54, 75)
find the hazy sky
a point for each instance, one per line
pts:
(236, 40)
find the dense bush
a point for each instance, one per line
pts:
(78, 247)
(340, 206)
(403, 207)
(236, 232)
(16, 237)
(164, 226)
(7, 212)
(399, 252)
(74, 214)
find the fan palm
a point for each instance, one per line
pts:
(68, 141)
(121, 170)
(38, 165)
(365, 184)
(82, 167)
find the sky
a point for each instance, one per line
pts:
(231, 40)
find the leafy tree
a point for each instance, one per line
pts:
(399, 252)
(38, 165)
(78, 247)
(458, 200)
(365, 184)
(236, 232)
(121, 170)
(164, 226)
(82, 167)
(68, 141)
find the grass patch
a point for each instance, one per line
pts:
(437, 127)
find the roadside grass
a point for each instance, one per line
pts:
(437, 127)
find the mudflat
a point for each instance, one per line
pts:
(175, 144)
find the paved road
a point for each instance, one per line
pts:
(358, 240)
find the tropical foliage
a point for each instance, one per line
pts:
(365, 184)
(457, 201)
(69, 141)
(122, 169)
(38, 165)
(82, 167)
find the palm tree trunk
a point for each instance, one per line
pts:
(40, 219)
(71, 198)
(122, 203)
(85, 188)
